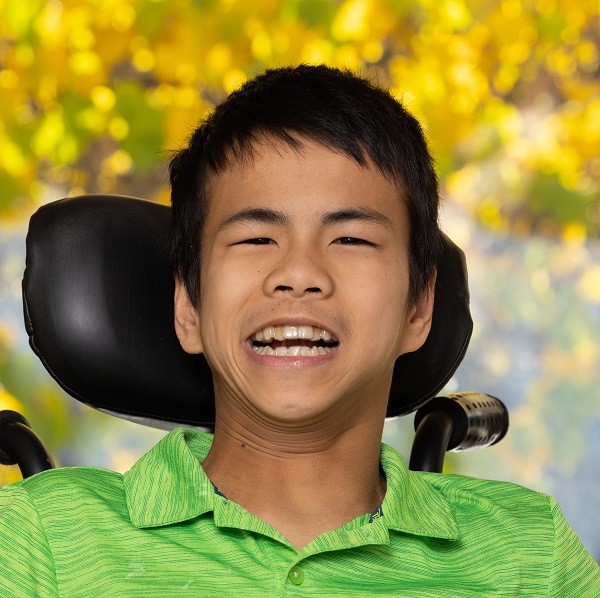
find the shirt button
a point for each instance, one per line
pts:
(296, 575)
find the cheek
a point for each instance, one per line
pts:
(380, 306)
(224, 292)
(385, 284)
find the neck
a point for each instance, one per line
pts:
(302, 481)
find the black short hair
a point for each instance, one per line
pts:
(338, 109)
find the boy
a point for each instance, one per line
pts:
(304, 214)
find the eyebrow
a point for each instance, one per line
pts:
(269, 216)
(352, 214)
(259, 215)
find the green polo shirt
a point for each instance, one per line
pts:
(162, 529)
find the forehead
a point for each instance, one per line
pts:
(305, 181)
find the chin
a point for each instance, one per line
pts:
(293, 409)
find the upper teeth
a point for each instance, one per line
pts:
(282, 333)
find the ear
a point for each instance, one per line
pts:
(418, 320)
(187, 320)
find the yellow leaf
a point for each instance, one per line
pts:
(103, 97)
(81, 38)
(351, 21)
(372, 51)
(123, 17)
(233, 79)
(261, 46)
(317, 51)
(118, 163)
(12, 159)
(118, 128)
(218, 58)
(49, 134)
(9, 79)
(144, 60)
(85, 62)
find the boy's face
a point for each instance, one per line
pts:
(312, 247)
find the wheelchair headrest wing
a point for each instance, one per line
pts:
(98, 305)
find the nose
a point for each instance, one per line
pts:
(300, 272)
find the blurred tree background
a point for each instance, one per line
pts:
(94, 94)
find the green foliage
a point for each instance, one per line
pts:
(315, 13)
(551, 200)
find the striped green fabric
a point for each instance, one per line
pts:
(163, 530)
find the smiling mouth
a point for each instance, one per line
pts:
(288, 341)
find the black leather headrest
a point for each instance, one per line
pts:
(98, 303)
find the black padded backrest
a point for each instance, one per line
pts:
(98, 304)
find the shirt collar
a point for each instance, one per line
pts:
(168, 485)
(413, 505)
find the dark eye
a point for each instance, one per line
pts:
(257, 241)
(352, 241)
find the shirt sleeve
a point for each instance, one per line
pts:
(26, 563)
(574, 572)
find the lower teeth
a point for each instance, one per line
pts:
(292, 351)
